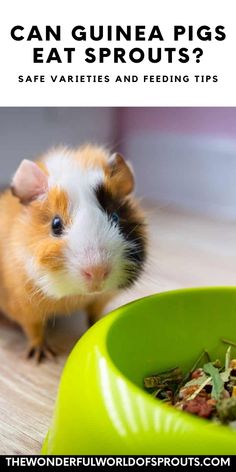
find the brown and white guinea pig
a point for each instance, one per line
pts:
(71, 236)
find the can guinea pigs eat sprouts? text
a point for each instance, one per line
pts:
(74, 236)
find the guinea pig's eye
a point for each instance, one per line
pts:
(115, 218)
(57, 226)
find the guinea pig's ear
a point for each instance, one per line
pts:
(29, 182)
(121, 175)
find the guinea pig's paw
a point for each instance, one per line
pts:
(41, 352)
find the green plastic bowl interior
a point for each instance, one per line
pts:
(102, 407)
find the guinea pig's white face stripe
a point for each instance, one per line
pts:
(92, 239)
(66, 173)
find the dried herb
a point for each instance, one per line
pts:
(203, 382)
(217, 382)
(207, 390)
(226, 409)
(228, 357)
(226, 341)
(204, 354)
(164, 378)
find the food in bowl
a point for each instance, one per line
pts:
(208, 390)
(101, 405)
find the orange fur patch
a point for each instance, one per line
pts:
(50, 254)
(48, 248)
(56, 204)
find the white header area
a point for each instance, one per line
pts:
(153, 53)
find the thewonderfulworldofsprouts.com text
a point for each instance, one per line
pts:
(118, 461)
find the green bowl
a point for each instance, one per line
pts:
(101, 406)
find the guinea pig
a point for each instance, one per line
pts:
(72, 235)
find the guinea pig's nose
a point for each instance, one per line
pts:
(96, 273)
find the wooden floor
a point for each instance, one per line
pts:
(185, 250)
